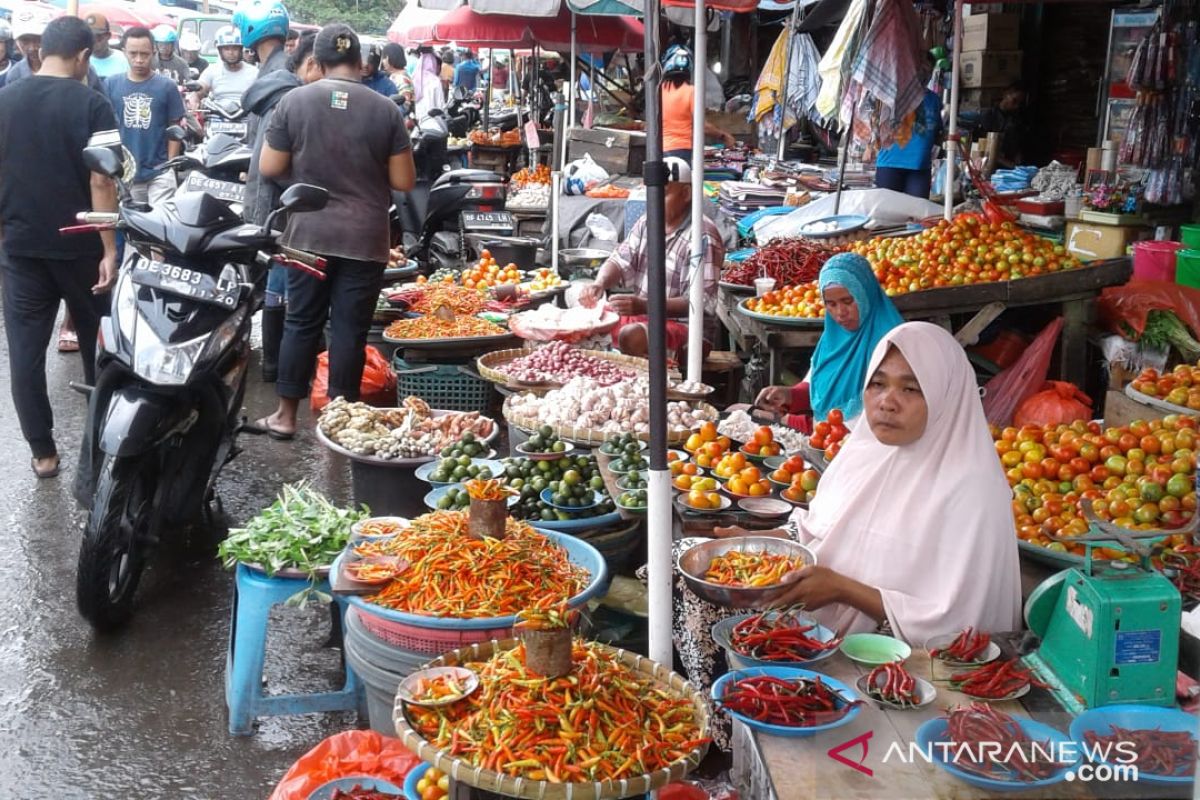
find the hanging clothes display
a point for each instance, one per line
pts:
(835, 64)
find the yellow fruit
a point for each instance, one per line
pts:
(444, 783)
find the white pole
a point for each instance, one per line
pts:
(952, 127)
(695, 363)
(555, 191)
(574, 77)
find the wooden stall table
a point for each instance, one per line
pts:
(776, 768)
(1072, 293)
(528, 220)
(504, 160)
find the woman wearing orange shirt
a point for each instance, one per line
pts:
(678, 96)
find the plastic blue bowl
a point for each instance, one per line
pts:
(325, 791)
(425, 470)
(786, 673)
(722, 633)
(935, 730)
(578, 551)
(547, 497)
(410, 782)
(1135, 717)
(577, 524)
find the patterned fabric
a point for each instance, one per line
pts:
(630, 256)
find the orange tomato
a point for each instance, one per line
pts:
(708, 432)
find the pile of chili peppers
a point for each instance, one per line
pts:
(431, 296)
(797, 703)
(547, 616)
(438, 688)
(789, 261)
(1166, 753)
(742, 569)
(995, 681)
(488, 490)
(431, 327)
(603, 721)
(360, 793)
(979, 723)
(452, 574)
(778, 636)
(968, 646)
(383, 526)
(893, 684)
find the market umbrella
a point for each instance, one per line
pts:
(414, 26)
(123, 16)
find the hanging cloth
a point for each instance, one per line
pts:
(835, 62)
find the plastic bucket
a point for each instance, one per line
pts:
(381, 668)
(1155, 261)
(1187, 268)
(1190, 236)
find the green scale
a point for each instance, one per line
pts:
(1109, 630)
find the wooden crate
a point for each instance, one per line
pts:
(618, 152)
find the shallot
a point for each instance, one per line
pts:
(558, 362)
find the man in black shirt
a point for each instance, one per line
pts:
(44, 183)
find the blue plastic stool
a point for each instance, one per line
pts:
(254, 594)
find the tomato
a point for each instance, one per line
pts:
(1090, 452)
(1179, 485)
(836, 417)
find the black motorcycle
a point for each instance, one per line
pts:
(164, 414)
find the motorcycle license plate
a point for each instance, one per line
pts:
(487, 221)
(189, 283)
(222, 190)
(234, 129)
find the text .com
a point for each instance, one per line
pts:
(1100, 762)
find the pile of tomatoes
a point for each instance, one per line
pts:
(543, 278)
(434, 785)
(1140, 476)
(961, 252)
(829, 433)
(1180, 386)
(707, 446)
(525, 176)
(741, 477)
(803, 300)
(488, 273)
(800, 482)
(763, 443)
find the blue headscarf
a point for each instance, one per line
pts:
(839, 364)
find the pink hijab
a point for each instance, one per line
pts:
(929, 523)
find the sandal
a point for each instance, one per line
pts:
(49, 473)
(68, 342)
(263, 426)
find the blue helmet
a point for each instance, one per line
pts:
(261, 19)
(164, 34)
(677, 60)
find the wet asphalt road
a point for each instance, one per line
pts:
(142, 714)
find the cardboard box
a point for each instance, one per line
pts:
(979, 99)
(619, 152)
(991, 32)
(990, 68)
(1091, 240)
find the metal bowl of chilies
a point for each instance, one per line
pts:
(693, 564)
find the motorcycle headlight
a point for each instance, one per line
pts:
(165, 364)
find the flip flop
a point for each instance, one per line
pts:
(50, 473)
(261, 427)
(68, 342)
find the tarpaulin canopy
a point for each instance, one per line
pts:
(414, 26)
(469, 28)
(126, 15)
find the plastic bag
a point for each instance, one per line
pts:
(378, 386)
(1058, 402)
(1129, 304)
(601, 227)
(582, 174)
(342, 755)
(1003, 393)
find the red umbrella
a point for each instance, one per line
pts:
(124, 16)
(414, 26)
(505, 31)
(593, 34)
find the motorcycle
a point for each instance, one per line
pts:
(163, 415)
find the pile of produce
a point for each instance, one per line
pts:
(795, 703)
(1016, 759)
(789, 261)
(431, 327)
(583, 403)
(741, 427)
(542, 279)
(961, 252)
(301, 530)
(996, 681)
(429, 297)
(544, 440)
(609, 191)
(410, 431)
(1155, 752)
(742, 569)
(631, 460)
(559, 362)
(741, 478)
(530, 196)
(621, 444)
(779, 636)
(531, 478)
(1140, 476)
(893, 684)
(603, 721)
(1163, 330)
(539, 175)
(799, 480)
(433, 785)
(970, 645)
(803, 300)
(496, 138)
(452, 574)
(1180, 386)
(762, 443)
(487, 273)
(829, 433)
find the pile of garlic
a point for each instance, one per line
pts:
(581, 403)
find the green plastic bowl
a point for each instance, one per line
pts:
(874, 649)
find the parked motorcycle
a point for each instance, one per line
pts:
(164, 414)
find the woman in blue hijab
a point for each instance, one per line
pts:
(857, 315)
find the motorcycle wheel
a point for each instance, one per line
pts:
(115, 542)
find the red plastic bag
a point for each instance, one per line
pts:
(1058, 402)
(1131, 303)
(378, 386)
(1003, 393)
(343, 755)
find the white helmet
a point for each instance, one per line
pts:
(30, 21)
(190, 42)
(227, 36)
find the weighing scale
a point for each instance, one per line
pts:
(1109, 630)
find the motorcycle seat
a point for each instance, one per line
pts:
(467, 176)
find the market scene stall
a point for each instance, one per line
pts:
(760, 400)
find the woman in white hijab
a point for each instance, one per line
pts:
(428, 92)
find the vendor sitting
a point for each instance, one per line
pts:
(628, 267)
(857, 315)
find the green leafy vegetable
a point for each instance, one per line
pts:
(1164, 329)
(301, 530)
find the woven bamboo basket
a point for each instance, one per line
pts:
(491, 364)
(509, 786)
(590, 437)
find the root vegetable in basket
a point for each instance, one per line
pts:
(559, 362)
(620, 408)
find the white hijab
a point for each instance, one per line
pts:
(929, 523)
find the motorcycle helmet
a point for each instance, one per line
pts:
(190, 42)
(227, 36)
(677, 61)
(261, 19)
(164, 34)
(7, 38)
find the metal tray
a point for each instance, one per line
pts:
(790, 322)
(846, 223)
(736, 288)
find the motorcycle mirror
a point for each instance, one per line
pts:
(176, 133)
(104, 161)
(301, 197)
(193, 85)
